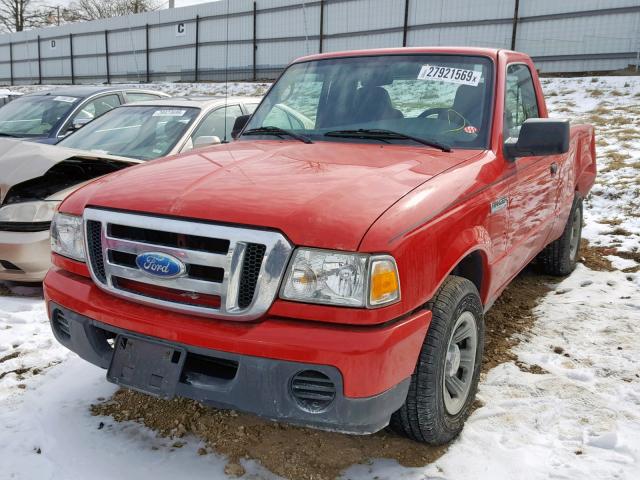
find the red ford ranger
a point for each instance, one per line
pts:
(331, 267)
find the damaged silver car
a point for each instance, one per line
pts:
(35, 178)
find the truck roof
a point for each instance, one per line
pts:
(485, 52)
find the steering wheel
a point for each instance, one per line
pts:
(433, 111)
(453, 117)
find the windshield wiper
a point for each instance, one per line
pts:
(280, 132)
(9, 135)
(383, 134)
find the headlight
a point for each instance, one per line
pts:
(67, 237)
(340, 278)
(41, 211)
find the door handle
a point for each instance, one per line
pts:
(553, 168)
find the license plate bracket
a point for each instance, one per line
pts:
(147, 366)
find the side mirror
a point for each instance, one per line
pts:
(205, 141)
(239, 124)
(77, 124)
(539, 137)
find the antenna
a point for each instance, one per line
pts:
(306, 31)
(226, 75)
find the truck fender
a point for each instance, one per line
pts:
(468, 256)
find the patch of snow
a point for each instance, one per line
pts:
(40, 441)
(613, 104)
(579, 420)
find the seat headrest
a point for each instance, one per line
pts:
(467, 98)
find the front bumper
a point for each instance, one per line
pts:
(24, 256)
(369, 366)
(252, 384)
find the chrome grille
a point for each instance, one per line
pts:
(241, 267)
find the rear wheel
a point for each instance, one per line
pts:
(445, 380)
(560, 256)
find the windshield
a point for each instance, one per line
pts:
(141, 132)
(34, 116)
(440, 98)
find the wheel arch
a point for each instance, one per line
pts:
(468, 255)
(471, 263)
(474, 267)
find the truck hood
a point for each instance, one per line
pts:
(325, 194)
(21, 161)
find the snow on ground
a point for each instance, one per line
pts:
(580, 418)
(613, 105)
(49, 433)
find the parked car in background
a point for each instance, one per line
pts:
(7, 96)
(34, 178)
(47, 117)
(152, 129)
(333, 275)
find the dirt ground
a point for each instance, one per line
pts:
(304, 454)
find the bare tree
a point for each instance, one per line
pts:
(18, 15)
(95, 9)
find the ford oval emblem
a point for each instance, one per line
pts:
(158, 264)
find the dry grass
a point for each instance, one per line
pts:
(600, 110)
(616, 161)
(597, 120)
(621, 231)
(620, 120)
(614, 222)
(595, 92)
(628, 133)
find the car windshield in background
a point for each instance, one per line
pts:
(34, 116)
(444, 100)
(141, 132)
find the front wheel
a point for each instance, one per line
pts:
(445, 380)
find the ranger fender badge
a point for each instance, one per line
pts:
(499, 204)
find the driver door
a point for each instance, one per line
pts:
(90, 111)
(532, 201)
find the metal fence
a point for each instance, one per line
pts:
(251, 40)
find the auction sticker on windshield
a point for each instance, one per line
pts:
(169, 113)
(449, 74)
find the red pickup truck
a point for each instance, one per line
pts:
(331, 267)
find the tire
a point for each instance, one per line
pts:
(427, 416)
(559, 258)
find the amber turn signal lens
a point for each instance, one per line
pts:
(384, 283)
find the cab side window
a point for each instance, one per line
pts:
(141, 97)
(96, 107)
(520, 101)
(219, 123)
